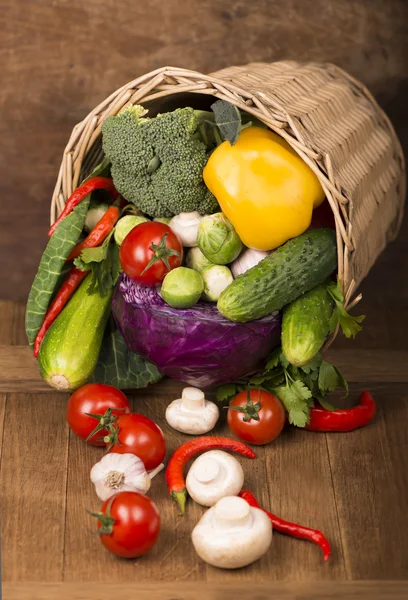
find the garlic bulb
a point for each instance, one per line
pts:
(246, 260)
(121, 473)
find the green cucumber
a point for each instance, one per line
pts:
(305, 325)
(70, 348)
(292, 270)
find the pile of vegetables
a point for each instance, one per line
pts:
(191, 252)
(201, 248)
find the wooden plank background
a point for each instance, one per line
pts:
(59, 59)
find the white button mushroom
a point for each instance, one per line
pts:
(212, 476)
(232, 534)
(192, 413)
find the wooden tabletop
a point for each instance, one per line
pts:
(353, 487)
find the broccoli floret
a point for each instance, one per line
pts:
(157, 163)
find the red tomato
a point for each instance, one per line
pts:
(129, 524)
(150, 243)
(95, 399)
(264, 413)
(136, 434)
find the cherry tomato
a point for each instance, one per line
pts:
(153, 244)
(136, 434)
(129, 524)
(256, 416)
(95, 399)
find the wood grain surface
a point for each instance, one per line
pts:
(354, 487)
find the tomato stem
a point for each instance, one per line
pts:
(105, 421)
(106, 520)
(161, 252)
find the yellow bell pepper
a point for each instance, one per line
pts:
(264, 188)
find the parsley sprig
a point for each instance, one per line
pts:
(350, 325)
(104, 263)
(297, 387)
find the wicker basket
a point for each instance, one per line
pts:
(328, 117)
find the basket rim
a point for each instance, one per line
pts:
(168, 81)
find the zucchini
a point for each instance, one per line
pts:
(70, 348)
(305, 325)
(292, 270)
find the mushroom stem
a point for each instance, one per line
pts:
(192, 398)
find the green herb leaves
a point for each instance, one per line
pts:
(296, 387)
(228, 120)
(104, 263)
(349, 325)
(120, 367)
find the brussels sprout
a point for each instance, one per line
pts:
(216, 279)
(125, 225)
(196, 260)
(182, 287)
(218, 240)
(94, 214)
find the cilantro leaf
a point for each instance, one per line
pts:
(297, 399)
(104, 263)
(313, 365)
(228, 120)
(324, 403)
(273, 360)
(350, 325)
(226, 392)
(328, 379)
(341, 382)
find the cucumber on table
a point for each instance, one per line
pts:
(70, 349)
(292, 270)
(306, 325)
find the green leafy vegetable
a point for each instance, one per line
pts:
(297, 399)
(226, 392)
(52, 263)
(296, 387)
(350, 325)
(104, 263)
(328, 379)
(120, 367)
(228, 120)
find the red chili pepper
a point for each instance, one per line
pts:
(96, 183)
(343, 420)
(292, 529)
(176, 483)
(74, 278)
(99, 233)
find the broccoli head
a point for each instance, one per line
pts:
(157, 163)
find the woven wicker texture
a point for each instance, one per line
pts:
(328, 117)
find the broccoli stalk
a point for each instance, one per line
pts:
(157, 163)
